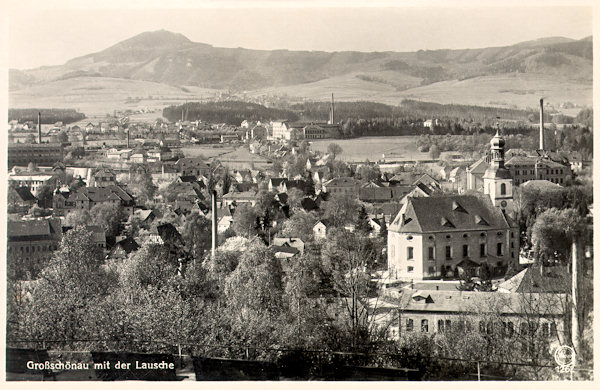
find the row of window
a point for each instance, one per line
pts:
(40, 248)
(465, 251)
(506, 328)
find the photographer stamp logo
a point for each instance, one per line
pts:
(564, 356)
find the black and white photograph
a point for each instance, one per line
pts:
(298, 191)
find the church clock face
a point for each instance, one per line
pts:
(503, 203)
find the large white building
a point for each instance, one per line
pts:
(433, 237)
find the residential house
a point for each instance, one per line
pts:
(20, 199)
(123, 248)
(87, 197)
(192, 166)
(32, 180)
(104, 178)
(224, 219)
(344, 186)
(320, 230)
(292, 242)
(236, 198)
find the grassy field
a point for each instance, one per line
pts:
(507, 90)
(97, 96)
(234, 156)
(401, 148)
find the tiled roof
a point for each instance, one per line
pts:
(449, 213)
(342, 182)
(34, 229)
(24, 193)
(479, 166)
(102, 194)
(474, 301)
(537, 279)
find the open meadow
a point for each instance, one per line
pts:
(395, 148)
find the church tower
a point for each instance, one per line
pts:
(497, 180)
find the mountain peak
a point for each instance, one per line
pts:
(155, 39)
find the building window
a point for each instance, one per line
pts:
(481, 250)
(481, 327)
(448, 325)
(499, 249)
(441, 326)
(424, 326)
(448, 252)
(465, 250)
(431, 270)
(502, 189)
(431, 253)
(410, 253)
(411, 269)
(545, 330)
(409, 325)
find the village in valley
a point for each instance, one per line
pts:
(378, 251)
(181, 211)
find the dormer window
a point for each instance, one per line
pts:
(457, 207)
(480, 221)
(446, 222)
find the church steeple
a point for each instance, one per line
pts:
(497, 180)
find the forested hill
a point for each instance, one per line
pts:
(410, 110)
(231, 112)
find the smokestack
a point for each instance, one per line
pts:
(128, 138)
(332, 113)
(39, 127)
(541, 124)
(214, 223)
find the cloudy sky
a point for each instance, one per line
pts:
(40, 34)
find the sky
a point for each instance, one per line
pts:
(39, 34)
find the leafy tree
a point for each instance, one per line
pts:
(108, 216)
(244, 220)
(340, 210)
(300, 224)
(79, 217)
(348, 259)
(69, 287)
(142, 186)
(362, 222)
(197, 235)
(63, 137)
(368, 172)
(45, 195)
(334, 149)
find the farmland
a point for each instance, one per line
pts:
(400, 148)
(233, 156)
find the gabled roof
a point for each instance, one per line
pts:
(128, 245)
(342, 182)
(538, 279)
(24, 193)
(437, 214)
(479, 166)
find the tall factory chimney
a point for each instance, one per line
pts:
(332, 112)
(214, 223)
(128, 138)
(39, 127)
(542, 124)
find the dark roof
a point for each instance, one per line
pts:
(128, 245)
(285, 249)
(276, 181)
(44, 229)
(308, 204)
(168, 233)
(383, 194)
(102, 194)
(449, 213)
(24, 193)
